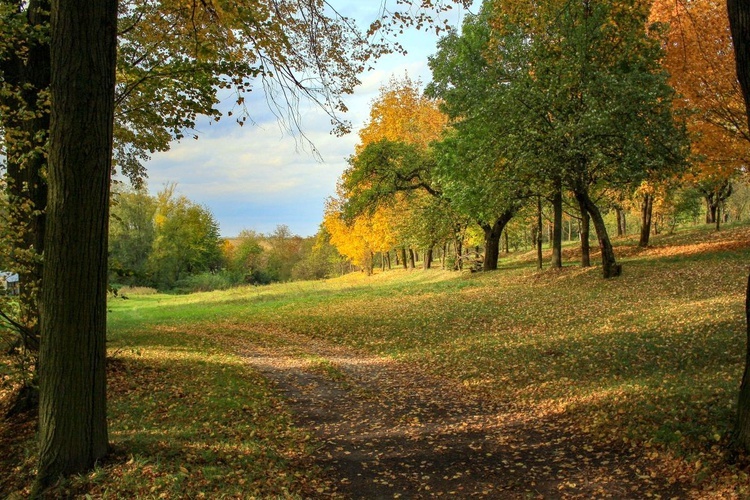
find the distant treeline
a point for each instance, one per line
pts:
(173, 244)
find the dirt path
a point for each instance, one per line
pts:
(388, 430)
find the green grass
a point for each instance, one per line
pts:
(651, 359)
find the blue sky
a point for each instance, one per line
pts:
(258, 176)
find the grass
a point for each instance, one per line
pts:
(652, 359)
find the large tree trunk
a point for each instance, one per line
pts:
(492, 236)
(412, 264)
(26, 128)
(647, 209)
(610, 267)
(72, 407)
(584, 235)
(491, 247)
(557, 230)
(742, 426)
(739, 21)
(403, 258)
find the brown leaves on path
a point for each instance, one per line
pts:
(388, 430)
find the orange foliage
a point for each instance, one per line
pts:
(700, 60)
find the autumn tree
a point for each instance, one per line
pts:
(393, 160)
(358, 238)
(739, 20)
(701, 64)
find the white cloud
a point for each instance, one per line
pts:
(256, 176)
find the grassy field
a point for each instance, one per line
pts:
(651, 360)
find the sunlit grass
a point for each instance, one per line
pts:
(651, 360)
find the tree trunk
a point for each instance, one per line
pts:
(507, 244)
(739, 22)
(718, 216)
(388, 258)
(741, 436)
(403, 258)
(557, 214)
(610, 267)
(458, 247)
(647, 208)
(492, 236)
(26, 127)
(411, 259)
(539, 223)
(584, 235)
(72, 407)
(710, 209)
(428, 257)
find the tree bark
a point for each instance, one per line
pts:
(718, 216)
(741, 436)
(647, 207)
(26, 129)
(557, 214)
(72, 406)
(428, 257)
(739, 22)
(492, 236)
(412, 264)
(710, 209)
(403, 258)
(610, 267)
(584, 235)
(539, 223)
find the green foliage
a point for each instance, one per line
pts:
(131, 234)
(160, 240)
(186, 242)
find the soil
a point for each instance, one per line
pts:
(389, 430)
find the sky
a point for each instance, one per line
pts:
(258, 176)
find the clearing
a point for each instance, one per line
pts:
(510, 384)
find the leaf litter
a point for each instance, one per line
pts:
(387, 429)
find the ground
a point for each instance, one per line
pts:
(388, 430)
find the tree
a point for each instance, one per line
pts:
(186, 240)
(590, 97)
(24, 124)
(701, 64)
(739, 20)
(131, 235)
(72, 407)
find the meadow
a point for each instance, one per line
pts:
(649, 362)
